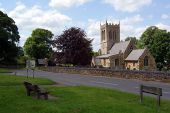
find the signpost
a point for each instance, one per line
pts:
(30, 64)
(151, 90)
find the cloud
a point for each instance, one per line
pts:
(164, 16)
(30, 18)
(93, 32)
(128, 5)
(66, 3)
(163, 26)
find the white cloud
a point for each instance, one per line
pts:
(128, 5)
(66, 3)
(163, 26)
(30, 18)
(93, 32)
(164, 16)
(132, 20)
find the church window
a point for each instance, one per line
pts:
(113, 35)
(103, 35)
(146, 61)
(110, 35)
(116, 62)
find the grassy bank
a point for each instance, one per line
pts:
(77, 99)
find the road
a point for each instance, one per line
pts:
(126, 85)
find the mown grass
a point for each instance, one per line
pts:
(77, 99)
(4, 70)
(11, 80)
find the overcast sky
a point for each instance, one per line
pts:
(56, 15)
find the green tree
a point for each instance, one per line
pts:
(39, 44)
(75, 47)
(9, 38)
(135, 40)
(158, 41)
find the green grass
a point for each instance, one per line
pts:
(11, 80)
(77, 99)
(4, 70)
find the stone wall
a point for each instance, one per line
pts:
(128, 74)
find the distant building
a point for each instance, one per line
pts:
(121, 55)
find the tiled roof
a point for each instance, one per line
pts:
(135, 54)
(117, 47)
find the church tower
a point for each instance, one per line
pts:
(110, 34)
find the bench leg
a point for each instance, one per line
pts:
(28, 92)
(38, 96)
(46, 96)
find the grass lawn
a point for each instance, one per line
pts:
(3, 70)
(77, 99)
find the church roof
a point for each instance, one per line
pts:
(135, 54)
(117, 47)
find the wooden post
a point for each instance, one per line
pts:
(141, 93)
(33, 72)
(27, 73)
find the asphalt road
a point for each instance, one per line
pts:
(126, 85)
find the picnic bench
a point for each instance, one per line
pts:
(35, 89)
(151, 90)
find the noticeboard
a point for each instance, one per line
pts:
(41, 61)
(30, 64)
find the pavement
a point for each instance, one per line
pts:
(125, 85)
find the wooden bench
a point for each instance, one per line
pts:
(35, 89)
(151, 90)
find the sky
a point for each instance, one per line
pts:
(57, 15)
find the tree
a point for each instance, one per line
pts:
(158, 42)
(135, 40)
(9, 38)
(39, 44)
(76, 49)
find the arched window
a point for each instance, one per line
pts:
(146, 61)
(103, 35)
(113, 35)
(110, 35)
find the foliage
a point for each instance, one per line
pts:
(74, 47)
(95, 53)
(9, 37)
(135, 40)
(39, 44)
(158, 42)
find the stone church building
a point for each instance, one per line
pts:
(116, 54)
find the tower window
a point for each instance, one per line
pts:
(146, 61)
(103, 35)
(110, 35)
(113, 35)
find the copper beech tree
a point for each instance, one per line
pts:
(74, 47)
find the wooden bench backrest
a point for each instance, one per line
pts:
(27, 85)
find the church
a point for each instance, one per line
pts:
(116, 54)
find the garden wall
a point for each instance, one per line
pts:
(128, 74)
